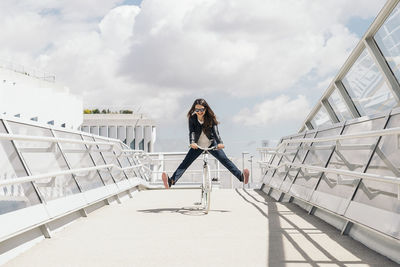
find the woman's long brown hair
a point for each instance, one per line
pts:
(209, 117)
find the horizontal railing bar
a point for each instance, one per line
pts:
(132, 167)
(85, 150)
(53, 174)
(376, 133)
(368, 176)
(31, 178)
(37, 149)
(167, 153)
(323, 147)
(368, 134)
(191, 171)
(263, 149)
(180, 159)
(279, 153)
(52, 149)
(16, 137)
(132, 151)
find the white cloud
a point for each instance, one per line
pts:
(172, 49)
(66, 10)
(271, 111)
(239, 48)
(117, 26)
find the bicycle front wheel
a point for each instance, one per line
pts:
(207, 189)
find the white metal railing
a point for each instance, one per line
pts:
(165, 162)
(91, 169)
(151, 166)
(15, 137)
(31, 178)
(360, 175)
(337, 138)
(368, 134)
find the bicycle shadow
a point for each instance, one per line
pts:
(188, 211)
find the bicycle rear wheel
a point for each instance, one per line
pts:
(207, 202)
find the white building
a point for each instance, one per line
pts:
(43, 100)
(135, 130)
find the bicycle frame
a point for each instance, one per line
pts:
(206, 187)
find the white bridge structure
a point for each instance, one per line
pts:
(327, 195)
(52, 177)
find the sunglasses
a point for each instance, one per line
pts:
(199, 109)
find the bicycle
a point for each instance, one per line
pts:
(206, 186)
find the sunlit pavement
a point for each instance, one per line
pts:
(165, 228)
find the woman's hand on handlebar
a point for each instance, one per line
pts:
(220, 146)
(194, 146)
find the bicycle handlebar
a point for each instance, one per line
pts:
(208, 148)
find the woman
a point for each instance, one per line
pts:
(203, 132)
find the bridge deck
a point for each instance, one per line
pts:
(161, 228)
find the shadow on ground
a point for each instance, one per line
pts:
(189, 211)
(279, 212)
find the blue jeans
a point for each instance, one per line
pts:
(193, 154)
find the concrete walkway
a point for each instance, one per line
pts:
(161, 228)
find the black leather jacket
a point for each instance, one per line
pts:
(195, 129)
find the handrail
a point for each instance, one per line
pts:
(31, 178)
(65, 140)
(50, 139)
(73, 141)
(368, 176)
(368, 134)
(322, 147)
(131, 167)
(132, 151)
(191, 171)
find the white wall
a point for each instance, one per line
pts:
(32, 97)
(126, 127)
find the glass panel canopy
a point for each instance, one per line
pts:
(388, 40)
(366, 86)
(338, 105)
(321, 118)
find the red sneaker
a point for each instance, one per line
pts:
(246, 175)
(165, 180)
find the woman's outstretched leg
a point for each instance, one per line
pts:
(221, 156)
(191, 156)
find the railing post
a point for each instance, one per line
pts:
(251, 171)
(161, 167)
(218, 171)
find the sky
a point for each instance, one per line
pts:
(260, 64)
